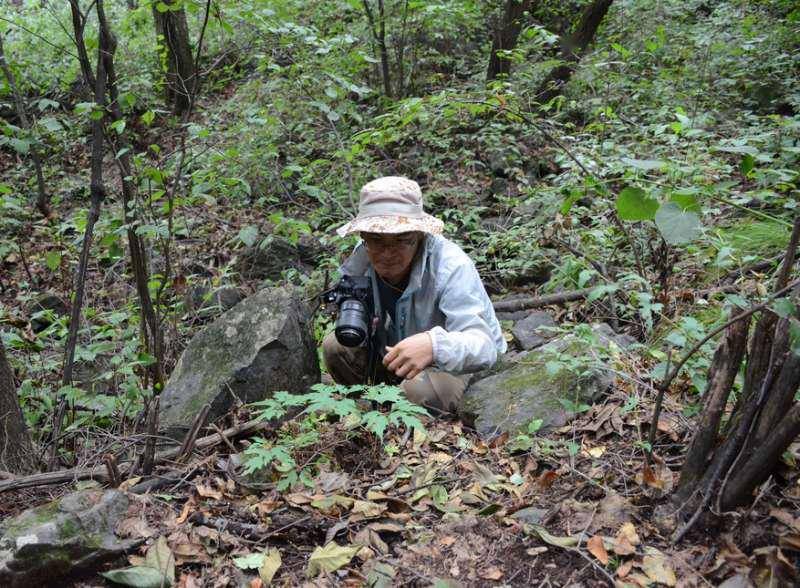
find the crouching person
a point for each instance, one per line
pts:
(428, 318)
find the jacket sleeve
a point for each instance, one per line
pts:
(465, 344)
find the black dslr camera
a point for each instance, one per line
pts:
(353, 296)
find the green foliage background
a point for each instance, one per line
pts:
(683, 116)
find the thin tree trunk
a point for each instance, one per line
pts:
(572, 49)
(42, 202)
(16, 447)
(378, 30)
(97, 192)
(724, 368)
(505, 37)
(181, 69)
(758, 467)
(152, 334)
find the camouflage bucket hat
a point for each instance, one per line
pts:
(391, 204)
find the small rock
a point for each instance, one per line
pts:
(43, 303)
(605, 332)
(279, 254)
(207, 302)
(511, 316)
(75, 533)
(534, 271)
(494, 223)
(530, 515)
(499, 187)
(737, 581)
(532, 331)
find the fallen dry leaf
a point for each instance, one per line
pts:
(264, 507)
(626, 540)
(656, 567)
(188, 507)
(790, 542)
(135, 527)
(546, 479)
(480, 448)
(596, 548)
(188, 581)
(492, 573)
(298, 498)
(364, 509)
(129, 483)
(596, 451)
(272, 561)
(786, 518)
(206, 491)
(659, 476)
(624, 569)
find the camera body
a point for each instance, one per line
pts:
(353, 296)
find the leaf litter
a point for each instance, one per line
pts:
(447, 508)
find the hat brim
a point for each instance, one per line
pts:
(392, 224)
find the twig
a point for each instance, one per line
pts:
(188, 442)
(651, 439)
(223, 437)
(752, 310)
(40, 37)
(149, 454)
(112, 469)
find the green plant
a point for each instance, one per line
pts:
(525, 441)
(316, 407)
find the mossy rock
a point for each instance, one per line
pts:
(262, 345)
(547, 383)
(74, 533)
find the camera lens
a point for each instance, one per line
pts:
(351, 326)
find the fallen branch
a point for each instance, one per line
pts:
(539, 301)
(100, 473)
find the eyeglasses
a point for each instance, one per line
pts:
(401, 241)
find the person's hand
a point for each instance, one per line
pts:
(410, 356)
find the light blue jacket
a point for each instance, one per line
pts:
(446, 298)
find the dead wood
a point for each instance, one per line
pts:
(280, 524)
(100, 473)
(114, 476)
(539, 301)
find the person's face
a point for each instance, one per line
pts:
(392, 255)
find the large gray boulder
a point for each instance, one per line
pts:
(74, 533)
(261, 345)
(547, 383)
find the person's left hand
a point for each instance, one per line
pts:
(410, 356)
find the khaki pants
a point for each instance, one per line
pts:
(439, 391)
